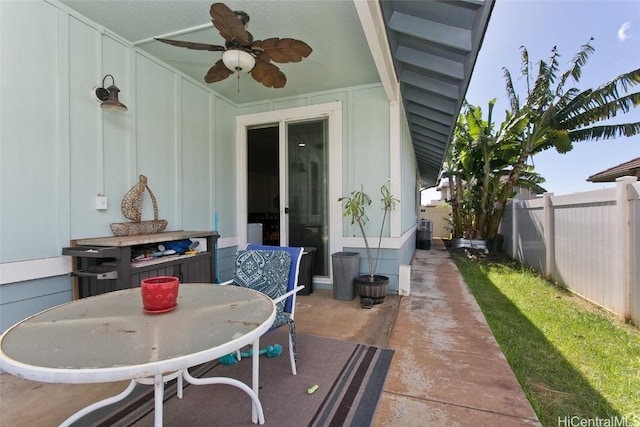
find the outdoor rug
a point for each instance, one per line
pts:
(350, 379)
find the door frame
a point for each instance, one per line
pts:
(331, 111)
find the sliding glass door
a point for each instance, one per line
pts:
(307, 168)
(301, 217)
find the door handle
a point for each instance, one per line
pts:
(286, 210)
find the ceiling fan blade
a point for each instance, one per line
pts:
(191, 45)
(230, 27)
(217, 73)
(282, 50)
(268, 74)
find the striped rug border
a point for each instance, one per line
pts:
(355, 394)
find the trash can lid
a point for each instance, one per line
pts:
(345, 254)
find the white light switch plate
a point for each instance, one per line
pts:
(101, 203)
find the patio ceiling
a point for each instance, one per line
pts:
(340, 57)
(433, 45)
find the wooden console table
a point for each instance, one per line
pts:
(104, 264)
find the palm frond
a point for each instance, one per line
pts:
(611, 90)
(524, 60)
(595, 133)
(512, 127)
(474, 122)
(489, 127)
(628, 80)
(531, 185)
(594, 111)
(575, 108)
(541, 94)
(571, 103)
(575, 71)
(514, 101)
(524, 66)
(538, 94)
(554, 65)
(529, 175)
(548, 117)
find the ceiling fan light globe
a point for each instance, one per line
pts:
(238, 60)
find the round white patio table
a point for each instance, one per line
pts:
(109, 338)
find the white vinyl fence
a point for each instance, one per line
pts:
(439, 216)
(588, 242)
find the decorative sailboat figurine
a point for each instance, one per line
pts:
(132, 209)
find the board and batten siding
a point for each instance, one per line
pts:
(60, 149)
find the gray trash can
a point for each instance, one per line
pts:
(345, 270)
(425, 232)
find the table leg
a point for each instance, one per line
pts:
(256, 405)
(108, 401)
(180, 385)
(158, 387)
(255, 377)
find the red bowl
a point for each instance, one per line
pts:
(159, 293)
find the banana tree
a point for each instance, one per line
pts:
(462, 172)
(485, 165)
(476, 166)
(557, 117)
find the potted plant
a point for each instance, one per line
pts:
(371, 287)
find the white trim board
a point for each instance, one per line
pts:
(333, 112)
(22, 271)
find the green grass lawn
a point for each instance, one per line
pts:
(571, 358)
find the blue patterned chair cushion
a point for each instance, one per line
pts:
(266, 272)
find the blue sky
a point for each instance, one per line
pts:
(540, 25)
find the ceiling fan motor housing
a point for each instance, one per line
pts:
(242, 16)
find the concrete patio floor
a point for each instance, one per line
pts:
(447, 369)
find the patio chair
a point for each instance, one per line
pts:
(294, 271)
(273, 270)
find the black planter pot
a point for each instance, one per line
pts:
(375, 290)
(495, 245)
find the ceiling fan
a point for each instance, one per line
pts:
(241, 53)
